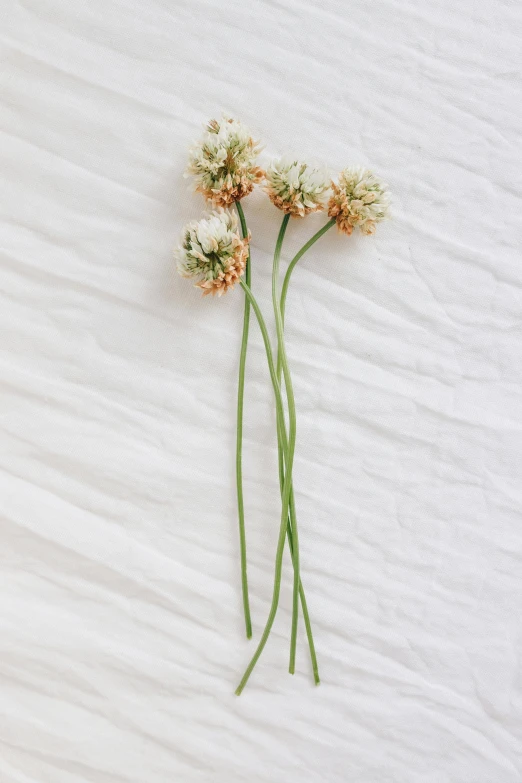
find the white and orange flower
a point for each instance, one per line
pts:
(224, 162)
(213, 253)
(297, 188)
(359, 199)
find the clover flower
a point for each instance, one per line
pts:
(223, 162)
(296, 188)
(213, 252)
(359, 199)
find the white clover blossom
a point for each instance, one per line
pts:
(223, 162)
(359, 199)
(213, 253)
(297, 188)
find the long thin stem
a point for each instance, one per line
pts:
(282, 447)
(281, 450)
(281, 355)
(286, 490)
(239, 438)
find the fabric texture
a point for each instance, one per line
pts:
(121, 629)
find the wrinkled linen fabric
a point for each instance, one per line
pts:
(122, 636)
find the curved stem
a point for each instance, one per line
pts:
(293, 535)
(286, 490)
(281, 355)
(239, 439)
(307, 246)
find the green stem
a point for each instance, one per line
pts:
(304, 605)
(293, 262)
(281, 354)
(288, 505)
(292, 524)
(286, 488)
(239, 438)
(282, 446)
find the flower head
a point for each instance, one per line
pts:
(359, 199)
(297, 188)
(213, 253)
(223, 162)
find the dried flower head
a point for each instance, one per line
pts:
(223, 162)
(359, 199)
(297, 188)
(213, 253)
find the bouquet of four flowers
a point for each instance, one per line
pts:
(215, 253)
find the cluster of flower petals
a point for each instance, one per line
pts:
(224, 162)
(213, 253)
(297, 188)
(359, 199)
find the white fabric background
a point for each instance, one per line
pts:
(121, 629)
